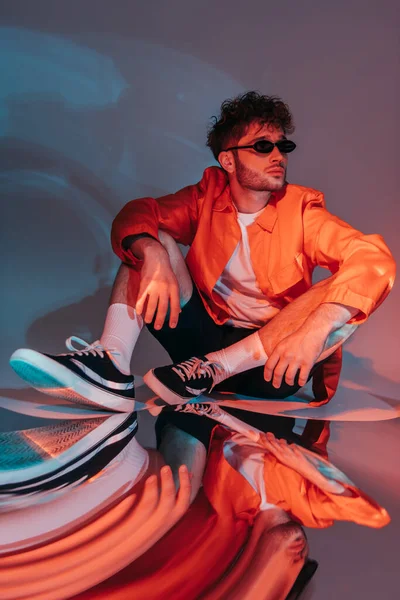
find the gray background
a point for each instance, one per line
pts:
(102, 102)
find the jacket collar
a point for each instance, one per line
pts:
(223, 202)
(268, 217)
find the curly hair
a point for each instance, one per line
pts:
(238, 113)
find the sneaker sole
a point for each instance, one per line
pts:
(35, 369)
(45, 468)
(163, 391)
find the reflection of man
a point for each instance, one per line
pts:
(252, 323)
(105, 507)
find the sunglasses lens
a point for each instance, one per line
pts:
(286, 146)
(263, 146)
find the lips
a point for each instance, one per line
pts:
(275, 172)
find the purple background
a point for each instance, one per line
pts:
(102, 102)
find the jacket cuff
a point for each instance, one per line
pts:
(348, 297)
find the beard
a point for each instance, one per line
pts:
(256, 181)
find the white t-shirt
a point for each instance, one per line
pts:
(247, 458)
(238, 287)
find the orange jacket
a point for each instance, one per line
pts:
(293, 235)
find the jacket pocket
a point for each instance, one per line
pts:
(286, 277)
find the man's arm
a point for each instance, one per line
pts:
(159, 288)
(320, 473)
(330, 316)
(176, 214)
(144, 244)
(363, 272)
(362, 267)
(314, 490)
(305, 332)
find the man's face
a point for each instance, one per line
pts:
(260, 172)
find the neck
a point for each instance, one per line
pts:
(248, 201)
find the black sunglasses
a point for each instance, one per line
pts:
(266, 147)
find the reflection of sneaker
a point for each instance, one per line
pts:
(86, 376)
(45, 461)
(181, 382)
(78, 467)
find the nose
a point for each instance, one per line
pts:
(276, 155)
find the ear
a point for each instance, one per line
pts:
(227, 161)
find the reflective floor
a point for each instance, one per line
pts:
(354, 561)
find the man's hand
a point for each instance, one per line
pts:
(302, 349)
(297, 352)
(159, 288)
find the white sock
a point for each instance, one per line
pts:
(121, 331)
(242, 356)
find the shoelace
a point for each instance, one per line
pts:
(96, 348)
(214, 411)
(195, 368)
(200, 409)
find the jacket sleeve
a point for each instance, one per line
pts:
(175, 214)
(306, 503)
(362, 266)
(323, 508)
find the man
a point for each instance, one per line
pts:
(240, 314)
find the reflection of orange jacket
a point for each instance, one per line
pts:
(293, 235)
(193, 556)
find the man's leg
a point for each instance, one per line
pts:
(179, 384)
(122, 325)
(253, 350)
(175, 445)
(98, 373)
(108, 360)
(180, 448)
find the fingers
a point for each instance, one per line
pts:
(279, 371)
(283, 369)
(168, 491)
(292, 357)
(169, 499)
(279, 447)
(152, 302)
(270, 365)
(175, 307)
(266, 442)
(161, 312)
(272, 444)
(169, 298)
(291, 373)
(279, 364)
(148, 501)
(155, 299)
(142, 296)
(185, 488)
(304, 374)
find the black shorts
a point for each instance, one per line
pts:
(195, 335)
